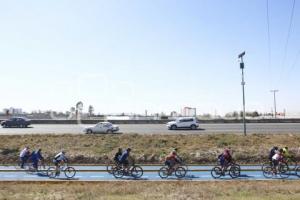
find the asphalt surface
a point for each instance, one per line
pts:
(159, 129)
(87, 173)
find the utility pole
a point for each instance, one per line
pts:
(242, 66)
(274, 96)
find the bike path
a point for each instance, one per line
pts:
(152, 176)
(145, 168)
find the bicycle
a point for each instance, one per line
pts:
(110, 165)
(134, 171)
(165, 172)
(182, 163)
(68, 171)
(232, 169)
(282, 169)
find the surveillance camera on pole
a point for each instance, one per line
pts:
(242, 66)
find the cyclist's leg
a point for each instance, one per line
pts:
(35, 164)
(22, 160)
(57, 166)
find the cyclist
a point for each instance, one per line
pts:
(123, 159)
(225, 158)
(273, 151)
(24, 155)
(117, 156)
(59, 159)
(36, 156)
(286, 153)
(171, 160)
(277, 157)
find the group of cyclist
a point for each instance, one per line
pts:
(26, 156)
(172, 160)
(277, 155)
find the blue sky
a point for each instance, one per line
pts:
(128, 56)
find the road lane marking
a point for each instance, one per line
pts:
(29, 176)
(9, 176)
(97, 176)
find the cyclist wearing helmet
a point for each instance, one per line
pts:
(124, 158)
(286, 153)
(36, 156)
(278, 156)
(24, 155)
(225, 158)
(117, 156)
(172, 159)
(273, 151)
(59, 159)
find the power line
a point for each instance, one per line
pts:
(287, 40)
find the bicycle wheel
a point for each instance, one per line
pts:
(51, 172)
(297, 171)
(29, 168)
(284, 170)
(137, 171)
(216, 172)
(117, 172)
(163, 172)
(70, 172)
(234, 171)
(268, 172)
(180, 172)
(18, 164)
(109, 167)
(266, 164)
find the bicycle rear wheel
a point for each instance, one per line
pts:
(163, 172)
(51, 172)
(216, 172)
(268, 172)
(137, 172)
(117, 172)
(180, 172)
(70, 172)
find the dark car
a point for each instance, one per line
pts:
(20, 122)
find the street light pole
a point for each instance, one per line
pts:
(274, 96)
(243, 86)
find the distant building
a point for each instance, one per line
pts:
(13, 111)
(189, 112)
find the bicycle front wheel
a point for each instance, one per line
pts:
(137, 172)
(284, 170)
(234, 171)
(180, 172)
(70, 172)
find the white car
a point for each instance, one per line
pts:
(184, 122)
(102, 127)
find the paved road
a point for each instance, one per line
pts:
(253, 174)
(161, 129)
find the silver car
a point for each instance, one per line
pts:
(102, 127)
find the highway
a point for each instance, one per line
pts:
(94, 173)
(159, 129)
